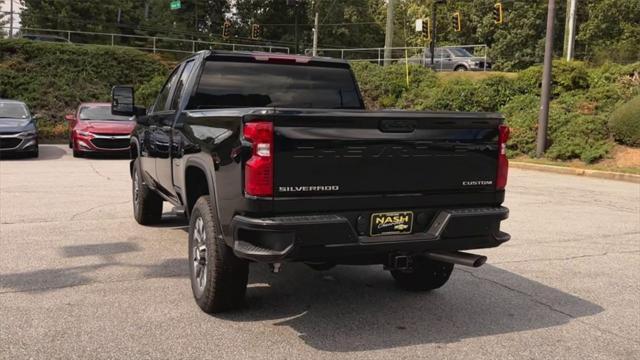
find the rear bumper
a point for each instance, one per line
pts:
(338, 238)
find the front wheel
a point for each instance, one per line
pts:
(218, 277)
(423, 275)
(35, 153)
(460, 68)
(147, 205)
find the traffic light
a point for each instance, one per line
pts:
(426, 30)
(498, 15)
(226, 30)
(457, 22)
(256, 31)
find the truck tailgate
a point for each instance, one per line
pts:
(385, 152)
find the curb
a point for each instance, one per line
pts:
(610, 175)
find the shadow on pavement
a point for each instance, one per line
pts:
(353, 308)
(359, 308)
(47, 152)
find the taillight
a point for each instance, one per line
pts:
(503, 162)
(258, 170)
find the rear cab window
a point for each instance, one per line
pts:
(231, 83)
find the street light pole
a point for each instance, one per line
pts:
(543, 118)
(10, 19)
(388, 32)
(571, 36)
(316, 28)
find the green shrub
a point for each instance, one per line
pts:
(521, 115)
(383, 86)
(146, 94)
(54, 78)
(567, 76)
(624, 123)
(575, 136)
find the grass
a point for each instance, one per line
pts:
(473, 75)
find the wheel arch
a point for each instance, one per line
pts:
(460, 65)
(134, 153)
(198, 181)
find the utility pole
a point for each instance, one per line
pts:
(388, 36)
(570, 39)
(434, 35)
(316, 29)
(10, 19)
(432, 44)
(543, 118)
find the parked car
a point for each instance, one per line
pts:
(18, 129)
(93, 129)
(48, 38)
(451, 59)
(274, 159)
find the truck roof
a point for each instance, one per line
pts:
(278, 57)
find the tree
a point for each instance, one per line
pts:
(277, 21)
(195, 19)
(349, 23)
(611, 30)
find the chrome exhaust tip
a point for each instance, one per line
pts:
(457, 257)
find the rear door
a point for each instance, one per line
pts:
(164, 168)
(359, 153)
(156, 143)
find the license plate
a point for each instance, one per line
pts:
(390, 223)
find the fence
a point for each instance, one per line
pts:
(147, 43)
(415, 55)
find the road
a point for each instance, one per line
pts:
(80, 279)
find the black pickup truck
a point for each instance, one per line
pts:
(273, 159)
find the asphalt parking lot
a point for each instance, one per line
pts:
(79, 278)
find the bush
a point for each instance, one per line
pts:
(146, 94)
(567, 76)
(575, 136)
(383, 86)
(521, 115)
(54, 78)
(624, 123)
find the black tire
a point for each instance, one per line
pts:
(460, 68)
(423, 275)
(34, 154)
(218, 277)
(147, 205)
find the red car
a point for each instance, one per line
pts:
(92, 129)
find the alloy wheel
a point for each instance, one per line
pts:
(199, 255)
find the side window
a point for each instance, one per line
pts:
(161, 103)
(180, 86)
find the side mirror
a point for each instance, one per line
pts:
(70, 117)
(122, 101)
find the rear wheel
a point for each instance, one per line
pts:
(147, 205)
(218, 277)
(423, 275)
